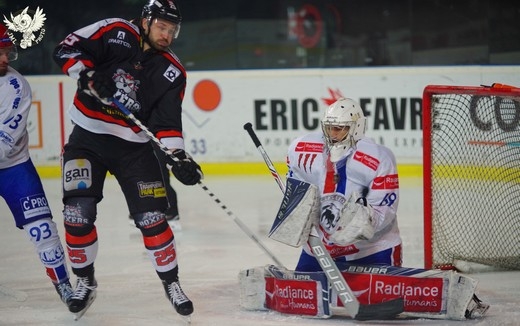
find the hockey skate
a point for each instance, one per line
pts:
(65, 291)
(179, 300)
(83, 296)
(173, 219)
(174, 222)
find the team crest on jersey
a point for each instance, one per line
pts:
(127, 87)
(77, 174)
(331, 211)
(29, 23)
(171, 73)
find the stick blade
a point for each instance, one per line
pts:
(381, 311)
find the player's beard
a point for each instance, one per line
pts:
(3, 69)
(161, 45)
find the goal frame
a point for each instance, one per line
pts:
(429, 91)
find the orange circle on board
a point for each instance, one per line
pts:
(206, 95)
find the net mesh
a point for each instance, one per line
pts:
(475, 177)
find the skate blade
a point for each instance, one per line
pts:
(478, 311)
(80, 313)
(187, 319)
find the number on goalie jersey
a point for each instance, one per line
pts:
(341, 161)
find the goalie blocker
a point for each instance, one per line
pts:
(434, 294)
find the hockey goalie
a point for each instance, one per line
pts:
(434, 294)
(340, 201)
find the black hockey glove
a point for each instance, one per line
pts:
(97, 84)
(186, 170)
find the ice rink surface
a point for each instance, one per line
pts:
(212, 250)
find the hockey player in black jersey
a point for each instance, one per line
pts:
(132, 63)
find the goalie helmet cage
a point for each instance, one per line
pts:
(471, 172)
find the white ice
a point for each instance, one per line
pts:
(212, 249)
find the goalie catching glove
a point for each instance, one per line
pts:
(185, 169)
(97, 84)
(356, 223)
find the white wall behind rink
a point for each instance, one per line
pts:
(281, 104)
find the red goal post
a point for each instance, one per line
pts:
(471, 166)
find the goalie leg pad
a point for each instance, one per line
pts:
(298, 212)
(462, 301)
(252, 288)
(433, 294)
(284, 291)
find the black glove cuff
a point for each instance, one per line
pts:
(180, 154)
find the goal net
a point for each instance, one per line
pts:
(471, 159)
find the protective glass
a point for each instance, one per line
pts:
(167, 27)
(335, 133)
(10, 52)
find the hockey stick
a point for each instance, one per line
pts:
(384, 310)
(165, 149)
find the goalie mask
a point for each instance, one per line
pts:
(343, 124)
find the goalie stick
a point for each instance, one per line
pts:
(384, 310)
(165, 149)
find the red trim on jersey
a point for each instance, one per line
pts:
(397, 256)
(308, 160)
(330, 182)
(158, 240)
(168, 133)
(109, 27)
(102, 116)
(52, 274)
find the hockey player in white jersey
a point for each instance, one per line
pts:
(20, 184)
(359, 188)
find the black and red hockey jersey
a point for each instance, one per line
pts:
(150, 84)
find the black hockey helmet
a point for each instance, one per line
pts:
(164, 9)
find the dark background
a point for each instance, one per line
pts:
(240, 34)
